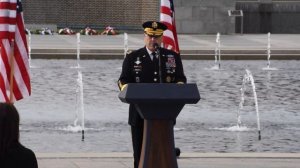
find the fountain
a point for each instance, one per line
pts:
(125, 44)
(79, 95)
(248, 77)
(269, 54)
(269, 49)
(79, 90)
(29, 48)
(217, 65)
(78, 49)
(80, 104)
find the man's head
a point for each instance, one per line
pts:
(153, 32)
(9, 127)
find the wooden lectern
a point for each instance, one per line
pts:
(159, 104)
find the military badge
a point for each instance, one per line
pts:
(137, 62)
(137, 79)
(171, 63)
(137, 65)
(168, 79)
(154, 25)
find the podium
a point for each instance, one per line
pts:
(159, 104)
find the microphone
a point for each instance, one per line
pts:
(157, 50)
(156, 46)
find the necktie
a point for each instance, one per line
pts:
(154, 58)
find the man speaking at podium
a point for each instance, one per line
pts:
(150, 64)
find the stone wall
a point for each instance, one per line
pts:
(192, 16)
(94, 13)
(271, 16)
(204, 16)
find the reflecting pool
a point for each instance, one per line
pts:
(48, 115)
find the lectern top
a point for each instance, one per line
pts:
(160, 93)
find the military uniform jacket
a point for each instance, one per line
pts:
(139, 68)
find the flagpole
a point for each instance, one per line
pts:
(12, 71)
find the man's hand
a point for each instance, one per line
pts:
(123, 87)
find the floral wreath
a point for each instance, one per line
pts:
(66, 31)
(44, 31)
(88, 31)
(109, 31)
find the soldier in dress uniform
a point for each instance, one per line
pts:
(142, 66)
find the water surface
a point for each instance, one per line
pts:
(47, 116)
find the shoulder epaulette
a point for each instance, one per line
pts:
(129, 51)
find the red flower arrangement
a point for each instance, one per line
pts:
(66, 31)
(109, 31)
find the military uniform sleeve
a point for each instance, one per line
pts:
(180, 76)
(125, 76)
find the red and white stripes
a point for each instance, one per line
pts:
(14, 53)
(167, 16)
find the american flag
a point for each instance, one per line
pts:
(167, 16)
(14, 63)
